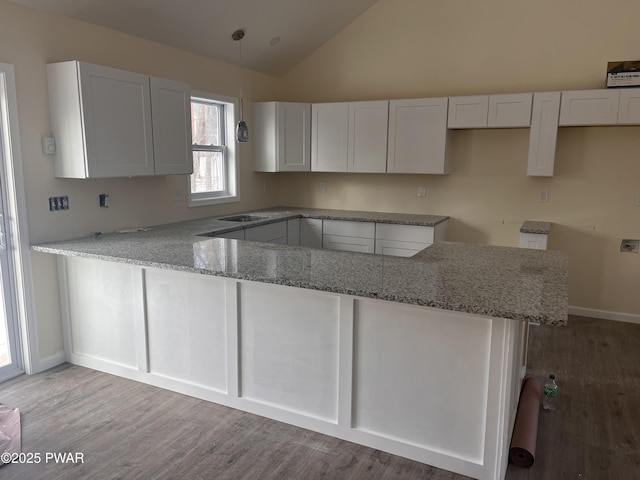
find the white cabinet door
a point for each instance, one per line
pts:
(282, 137)
(403, 240)
(293, 232)
(589, 107)
(368, 126)
(512, 110)
(109, 122)
(236, 235)
(171, 116)
(348, 236)
(629, 110)
(329, 137)
(543, 134)
(535, 241)
(116, 112)
(418, 136)
(271, 233)
(311, 232)
(468, 112)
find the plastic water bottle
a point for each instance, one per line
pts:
(550, 393)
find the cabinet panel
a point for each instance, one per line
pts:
(629, 110)
(171, 110)
(533, 240)
(399, 248)
(543, 134)
(418, 136)
(368, 126)
(311, 232)
(293, 232)
(281, 136)
(186, 327)
(294, 137)
(329, 137)
(236, 234)
(589, 107)
(116, 112)
(512, 110)
(349, 228)
(405, 233)
(272, 232)
(468, 112)
(348, 244)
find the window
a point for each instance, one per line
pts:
(214, 178)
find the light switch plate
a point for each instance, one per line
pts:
(544, 195)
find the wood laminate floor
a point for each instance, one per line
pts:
(127, 430)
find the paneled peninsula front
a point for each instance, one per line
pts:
(421, 357)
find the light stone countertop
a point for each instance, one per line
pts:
(505, 282)
(541, 228)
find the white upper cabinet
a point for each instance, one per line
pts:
(493, 111)
(418, 136)
(349, 137)
(329, 137)
(102, 119)
(509, 111)
(282, 137)
(171, 119)
(368, 126)
(468, 112)
(589, 107)
(543, 134)
(629, 109)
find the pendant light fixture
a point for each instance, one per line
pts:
(242, 131)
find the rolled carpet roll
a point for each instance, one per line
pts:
(525, 431)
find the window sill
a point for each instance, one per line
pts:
(213, 201)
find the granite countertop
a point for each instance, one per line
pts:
(514, 283)
(541, 228)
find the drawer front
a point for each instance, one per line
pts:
(399, 249)
(348, 244)
(535, 241)
(405, 233)
(349, 229)
(266, 233)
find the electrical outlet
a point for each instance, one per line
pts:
(629, 245)
(104, 200)
(178, 194)
(422, 191)
(323, 187)
(58, 203)
(544, 195)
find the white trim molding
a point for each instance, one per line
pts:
(604, 314)
(18, 230)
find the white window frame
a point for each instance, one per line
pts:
(232, 163)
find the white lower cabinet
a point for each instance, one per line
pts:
(236, 234)
(407, 240)
(536, 241)
(335, 364)
(311, 232)
(348, 236)
(293, 232)
(418, 139)
(270, 233)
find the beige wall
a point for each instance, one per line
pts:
(413, 48)
(29, 40)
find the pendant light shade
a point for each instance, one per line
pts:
(242, 130)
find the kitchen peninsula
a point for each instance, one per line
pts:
(421, 357)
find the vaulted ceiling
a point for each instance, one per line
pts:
(279, 33)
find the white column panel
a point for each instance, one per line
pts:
(289, 341)
(411, 383)
(186, 327)
(104, 304)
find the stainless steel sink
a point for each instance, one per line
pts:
(243, 218)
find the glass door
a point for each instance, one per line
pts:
(10, 354)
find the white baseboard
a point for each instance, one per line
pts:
(51, 361)
(604, 314)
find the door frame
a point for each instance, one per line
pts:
(17, 227)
